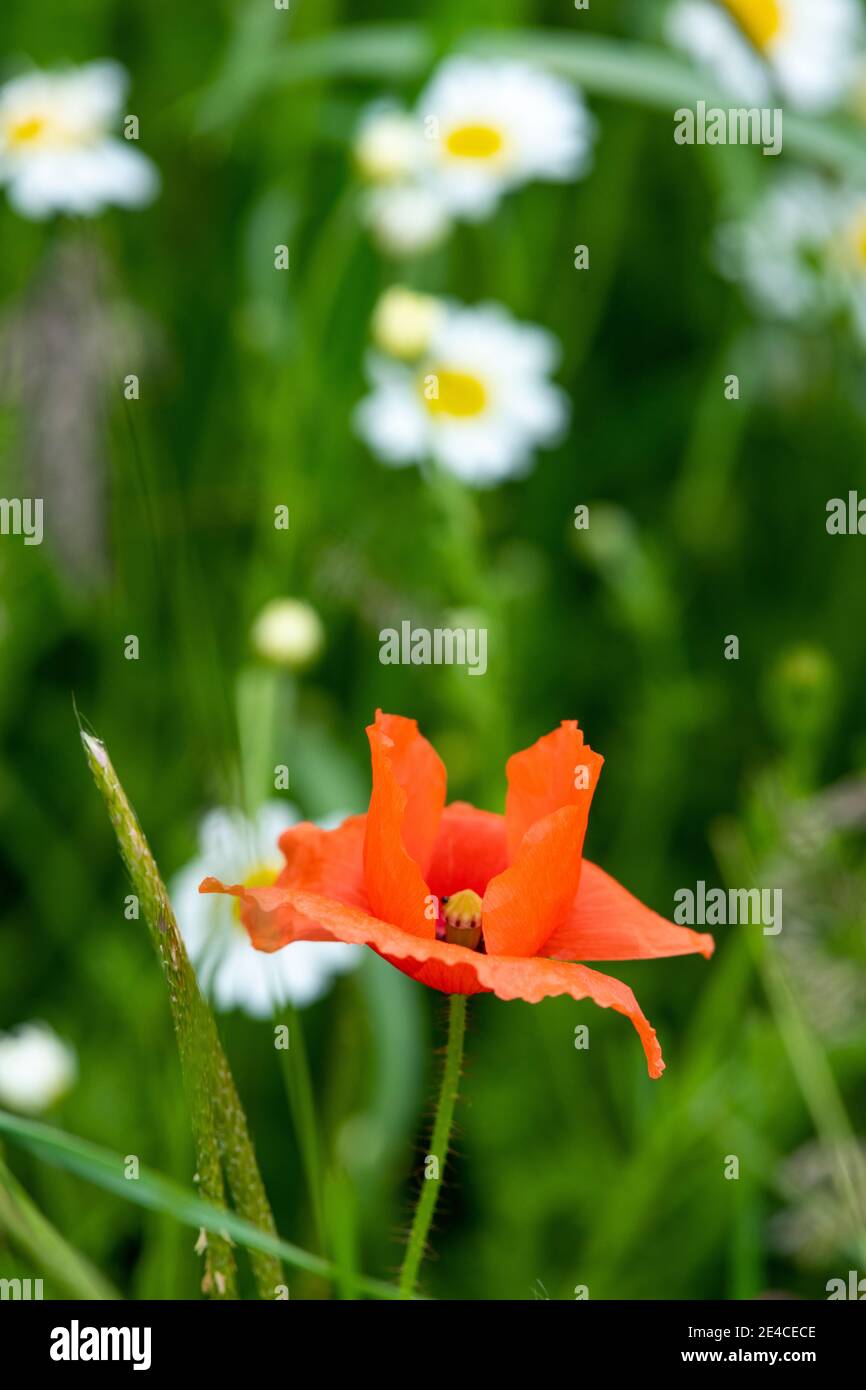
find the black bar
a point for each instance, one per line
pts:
(252, 1339)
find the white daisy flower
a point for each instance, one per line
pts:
(231, 972)
(36, 1068)
(406, 218)
(480, 128)
(802, 50)
(490, 126)
(478, 402)
(57, 150)
(801, 254)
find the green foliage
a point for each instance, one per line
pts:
(570, 1168)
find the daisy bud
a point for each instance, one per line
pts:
(801, 694)
(288, 632)
(386, 148)
(407, 219)
(36, 1068)
(404, 322)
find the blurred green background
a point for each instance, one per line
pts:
(707, 519)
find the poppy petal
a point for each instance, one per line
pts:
(328, 862)
(470, 850)
(277, 916)
(550, 788)
(402, 823)
(606, 922)
(558, 770)
(522, 905)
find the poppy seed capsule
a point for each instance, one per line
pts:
(462, 916)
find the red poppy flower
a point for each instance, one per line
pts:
(463, 900)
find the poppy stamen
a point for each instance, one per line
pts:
(460, 919)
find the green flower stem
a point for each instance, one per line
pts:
(299, 1091)
(439, 1145)
(52, 1256)
(217, 1118)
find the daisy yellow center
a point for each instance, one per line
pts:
(760, 20)
(262, 876)
(27, 131)
(461, 915)
(860, 242)
(474, 142)
(458, 394)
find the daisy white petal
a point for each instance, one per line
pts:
(804, 51)
(392, 420)
(231, 972)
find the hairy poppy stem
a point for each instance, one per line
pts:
(442, 1124)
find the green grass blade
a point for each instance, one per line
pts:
(157, 1193)
(24, 1225)
(385, 52)
(217, 1117)
(607, 67)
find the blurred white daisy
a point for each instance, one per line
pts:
(805, 51)
(490, 126)
(801, 253)
(480, 128)
(57, 149)
(36, 1068)
(231, 972)
(478, 401)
